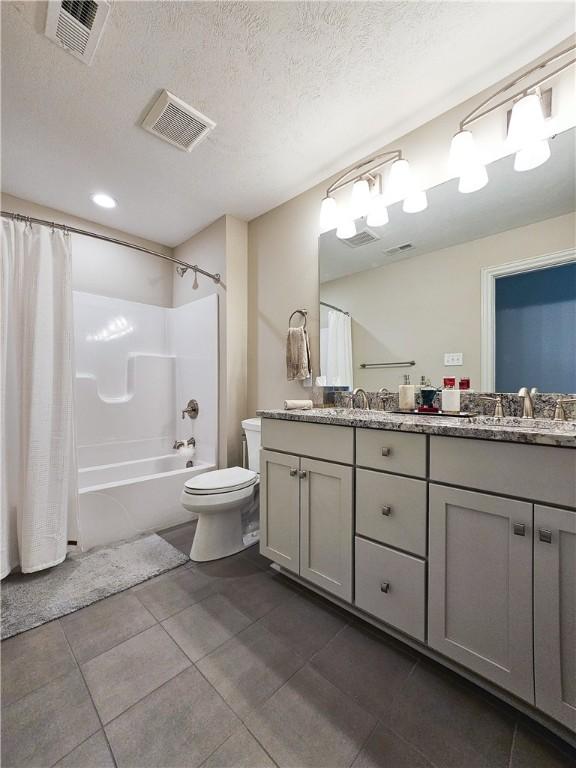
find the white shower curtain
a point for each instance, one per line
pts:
(39, 498)
(339, 369)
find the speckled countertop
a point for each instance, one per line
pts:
(509, 429)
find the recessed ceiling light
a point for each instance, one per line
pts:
(103, 200)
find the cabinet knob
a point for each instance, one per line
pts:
(303, 474)
(386, 511)
(385, 587)
(519, 529)
(386, 451)
(545, 535)
(293, 472)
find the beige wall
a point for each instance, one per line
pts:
(283, 248)
(421, 307)
(105, 268)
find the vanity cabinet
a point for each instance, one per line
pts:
(480, 585)
(555, 613)
(306, 519)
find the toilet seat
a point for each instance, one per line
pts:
(220, 481)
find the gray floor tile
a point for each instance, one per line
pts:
(178, 725)
(253, 553)
(370, 670)
(32, 659)
(181, 537)
(533, 749)
(171, 593)
(121, 676)
(247, 669)
(310, 723)
(234, 567)
(451, 722)
(258, 594)
(93, 753)
(48, 723)
(205, 626)
(101, 626)
(241, 750)
(385, 749)
(304, 623)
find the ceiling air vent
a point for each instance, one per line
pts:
(363, 237)
(77, 25)
(397, 249)
(176, 122)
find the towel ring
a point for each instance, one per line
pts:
(302, 312)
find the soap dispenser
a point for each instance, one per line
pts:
(406, 395)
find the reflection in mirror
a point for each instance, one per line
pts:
(479, 285)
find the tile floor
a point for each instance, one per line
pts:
(228, 665)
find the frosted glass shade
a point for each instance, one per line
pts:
(527, 124)
(328, 214)
(532, 156)
(399, 181)
(346, 228)
(361, 198)
(466, 163)
(415, 202)
(378, 213)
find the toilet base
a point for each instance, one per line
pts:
(219, 535)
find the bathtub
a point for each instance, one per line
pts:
(121, 500)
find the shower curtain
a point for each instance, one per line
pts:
(339, 370)
(37, 451)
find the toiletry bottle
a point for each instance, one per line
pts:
(450, 396)
(406, 395)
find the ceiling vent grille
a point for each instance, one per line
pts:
(363, 237)
(397, 249)
(174, 121)
(77, 25)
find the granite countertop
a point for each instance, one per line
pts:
(508, 429)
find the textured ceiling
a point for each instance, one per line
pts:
(298, 89)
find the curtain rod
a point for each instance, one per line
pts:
(55, 225)
(325, 304)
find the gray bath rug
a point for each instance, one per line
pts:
(31, 599)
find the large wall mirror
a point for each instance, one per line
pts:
(479, 285)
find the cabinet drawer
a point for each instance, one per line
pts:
(391, 451)
(392, 510)
(320, 441)
(392, 587)
(534, 472)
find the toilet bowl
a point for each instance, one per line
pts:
(220, 498)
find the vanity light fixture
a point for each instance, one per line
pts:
(103, 200)
(346, 227)
(328, 214)
(527, 134)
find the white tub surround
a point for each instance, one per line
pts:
(456, 536)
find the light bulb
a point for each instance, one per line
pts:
(378, 213)
(103, 200)
(399, 181)
(532, 156)
(361, 198)
(328, 214)
(415, 202)
(527, 124)
(346, 227)
(466, 163)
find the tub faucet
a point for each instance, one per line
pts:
(183, 444)
(527, 401)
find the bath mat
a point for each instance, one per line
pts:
(29, 600)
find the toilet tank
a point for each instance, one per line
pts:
(251, 429)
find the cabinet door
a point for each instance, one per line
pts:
(555, 613)
(326, 526)
(480, 585)
(280, 509)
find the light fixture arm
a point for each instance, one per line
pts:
(383, 157)
(479, 111)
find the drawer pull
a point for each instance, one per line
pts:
(293, 472)
(386, 451)
(303, 474)
(385, 587)
(519, 529)
(545, 535)
(386, 511)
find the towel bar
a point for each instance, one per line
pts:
(404, 364)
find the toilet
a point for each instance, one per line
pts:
(220, 498)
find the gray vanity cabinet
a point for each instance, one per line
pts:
(306, 519)
(555, 612)
(480, 585)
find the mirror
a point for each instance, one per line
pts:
(479, 285)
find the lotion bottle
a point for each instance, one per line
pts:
(450, 397)
(406, 395)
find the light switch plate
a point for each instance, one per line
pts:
(453, 358)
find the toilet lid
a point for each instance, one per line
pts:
(221, 481)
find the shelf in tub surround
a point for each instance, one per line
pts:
(507, 429)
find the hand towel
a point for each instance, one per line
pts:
(303, 405)
(297, 354)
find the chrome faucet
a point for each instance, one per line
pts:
(183, 444)
(527, 402)
(360, 391)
